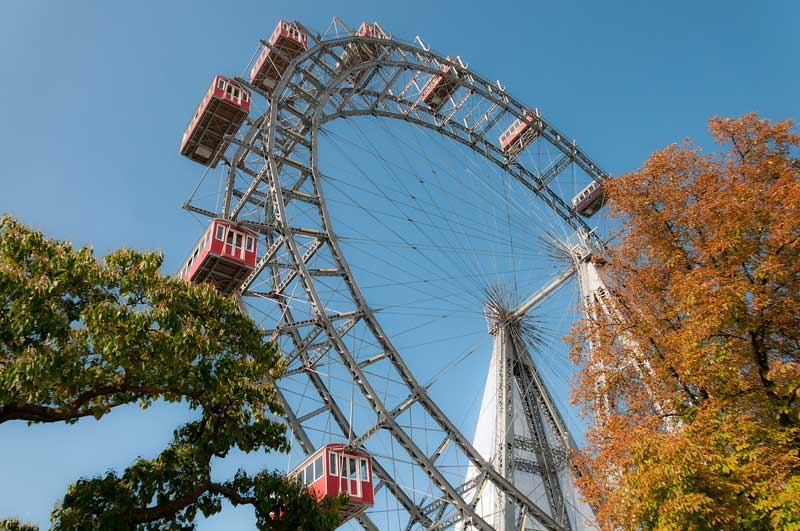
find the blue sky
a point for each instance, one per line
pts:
(94, 97)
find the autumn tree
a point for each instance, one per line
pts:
(79, 337)
(701, 368)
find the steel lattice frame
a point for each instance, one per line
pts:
(273, 174)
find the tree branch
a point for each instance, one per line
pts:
(169, 508)
(151, 514)
(72, 410)
(37, 413)
(234, 497)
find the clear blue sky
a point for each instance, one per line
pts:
(94, 97)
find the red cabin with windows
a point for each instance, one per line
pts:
(287, 41)
(518, 136)
(336, 469)
(361, 52)
(440, 87)
(590, 199)
(220, 114)
(224, 255)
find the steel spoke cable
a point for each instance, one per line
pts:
(398, 266)
(450, 222)
(398, 235)
(457, 175)
(474, 229)
(417, 201)
(397, 207)
(482, 167)
(463, 255)
(443, 167)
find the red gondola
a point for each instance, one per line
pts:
(220, 114)
(440, 87)
(357, 53)
(224, 255)
(518, 136)
(336, 469)
(590, 199)
(288, 40)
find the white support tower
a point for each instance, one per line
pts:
(521, 432)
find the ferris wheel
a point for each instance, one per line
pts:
(409, 234)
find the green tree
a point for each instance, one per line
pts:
(11, 524)
(79, 337)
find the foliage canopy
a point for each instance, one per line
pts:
(79, 337)
(704, 427)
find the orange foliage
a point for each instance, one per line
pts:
(708, 277)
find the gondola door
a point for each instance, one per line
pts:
(350, 479)
(234, 244)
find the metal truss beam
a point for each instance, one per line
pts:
(541, 295)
